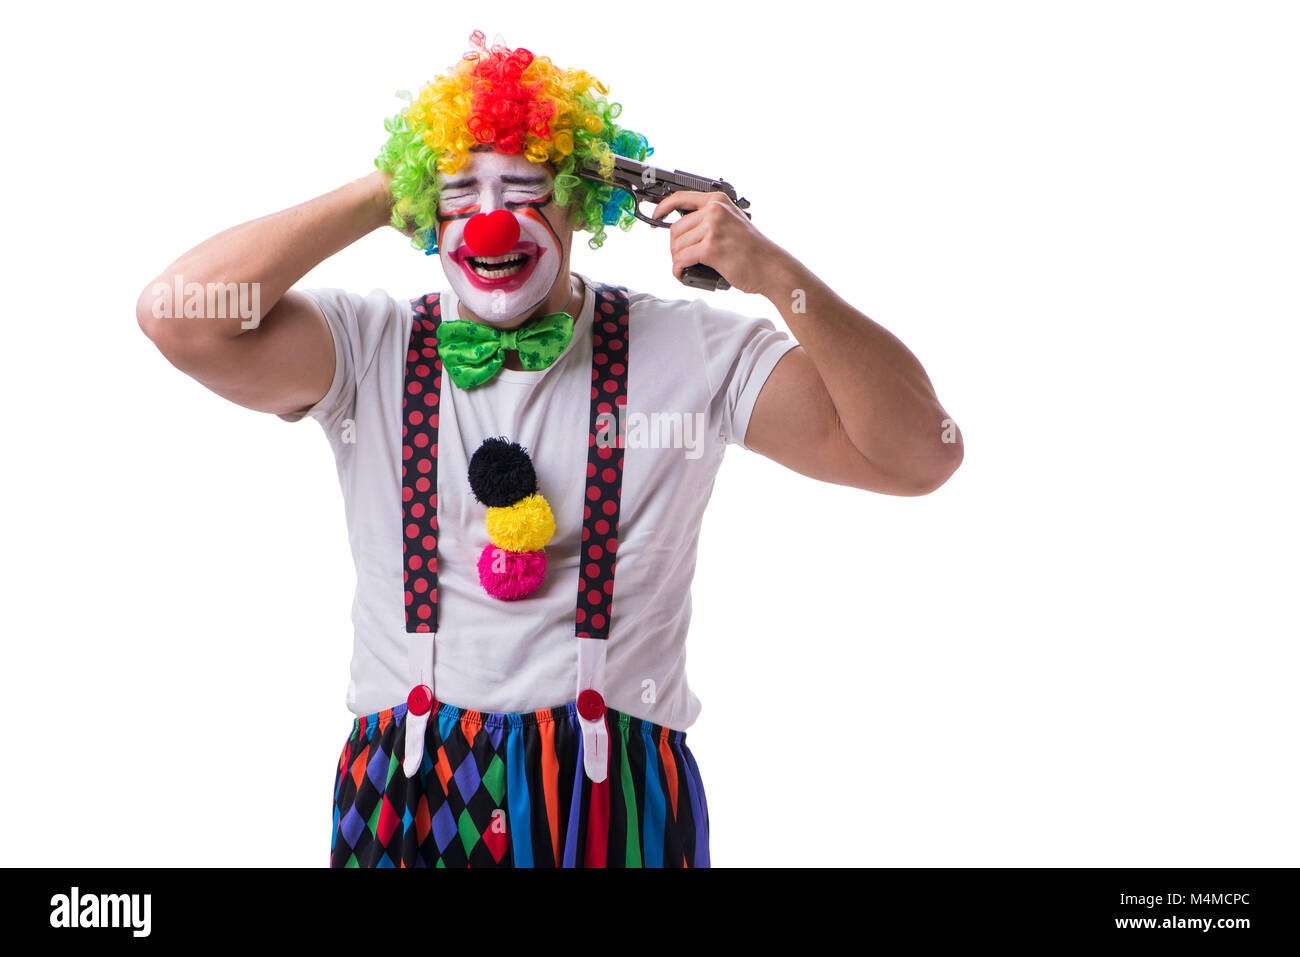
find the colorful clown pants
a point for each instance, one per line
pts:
(508, 790)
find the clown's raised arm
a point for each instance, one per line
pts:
(851, 405)
(277, 356)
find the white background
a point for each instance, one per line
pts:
(1082, 218)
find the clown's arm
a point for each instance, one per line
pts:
(851, 404)
(283, 360)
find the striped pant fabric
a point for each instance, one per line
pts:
(508, 790)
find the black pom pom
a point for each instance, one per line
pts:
(501, 473)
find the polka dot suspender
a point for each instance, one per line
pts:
(604, 463)
(599, 546)
(420, 466)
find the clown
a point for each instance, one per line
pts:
(523, 572)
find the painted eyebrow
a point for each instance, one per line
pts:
(511, 180)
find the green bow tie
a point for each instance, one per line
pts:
(472, 352)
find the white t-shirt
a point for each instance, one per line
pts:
(699, 368)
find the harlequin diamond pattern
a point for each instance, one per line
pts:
(451, 815)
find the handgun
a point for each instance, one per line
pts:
(648, 183)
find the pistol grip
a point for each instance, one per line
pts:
(700, 276)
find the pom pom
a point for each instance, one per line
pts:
(510, 575)
(501, 473)
(524, 526)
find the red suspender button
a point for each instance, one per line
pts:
(591, 706)
(419, 700)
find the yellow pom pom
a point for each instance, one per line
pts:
(524, 526)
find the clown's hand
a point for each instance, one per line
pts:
(715, 231)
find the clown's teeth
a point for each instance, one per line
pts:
(509, 265)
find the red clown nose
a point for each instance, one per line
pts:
(491, 234)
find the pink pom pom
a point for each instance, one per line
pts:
(510, 575)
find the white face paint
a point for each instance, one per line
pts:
(504, 288)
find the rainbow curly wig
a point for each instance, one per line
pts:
(514, 102)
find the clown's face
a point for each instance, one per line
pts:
(503, 241)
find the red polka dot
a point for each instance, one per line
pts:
(416, 563)
(422, 484)
(611, 386)
(580, 615)
(586, 533)
(609, 586)
(424, 611)
(414, 388)
(421, 439)
(591, 470)
(407, 494)
(416, 417)
(424, 466)
(593, 570)
(598, 621)
(422, 370)
(617, 368)
(593, 597)
(411, 530)
(416, 511)
(427, 543)
(431, 398)
(612, 544)
(605, 451)
(421, 585)
(600, 358)
(611, 328)
(610, 508)
(602, 526)
(582, 584)
(595, 551)
(593, 492)
(409, 598)
(609, 475)
(407, 452)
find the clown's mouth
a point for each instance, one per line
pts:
(506, 272)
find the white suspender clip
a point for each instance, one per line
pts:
(419, 657)
(591, 708)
